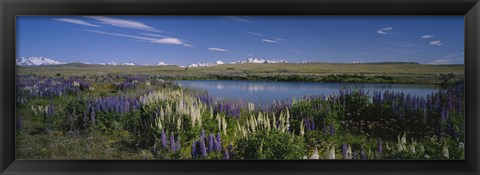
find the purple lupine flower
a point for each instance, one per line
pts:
(92, 117)
(178, 145)
(332, 129)
(19, 122)
(218, 146)
(202, 135)
(211, 142)
(226, 156)
(379, 146)
(203, 148)
(344, 151)
(194, 149)
(362, 154)
(307, 125)
(164, 139)
(443, 114)
(229, 147)
(355, 155)
(172, 142)
(312, 125)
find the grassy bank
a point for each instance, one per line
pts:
(311, 72)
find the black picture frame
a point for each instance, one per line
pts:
(11, 8)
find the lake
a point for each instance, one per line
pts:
(262, 92)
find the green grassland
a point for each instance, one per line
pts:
(412, 73)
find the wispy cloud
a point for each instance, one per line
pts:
(167, 40)
(427, 36)
(280, 39)
(441, 61)
(154, 35)
(383, 30)
(76, 21)
(240, 18)
(123, 23)
(253, 33)
(271, 41)
(217, 49)
(436, 43)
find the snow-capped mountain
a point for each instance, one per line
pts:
(37, 61)
(109, 63)
(161, 63)
(81, 62)
(206, 64)
(202, 65)
(258, 61)
(129, 64)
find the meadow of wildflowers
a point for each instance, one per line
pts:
(118, 116)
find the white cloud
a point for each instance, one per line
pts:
(441, 61)
(240, 18)
(279, 39)
(168, 40)
(427, 36)
(436, 43)
(271, 41)
(383, 30)
(217, 49)
(253, 33)
(188, 45)
(76, 21)
(154, 35)
(123, 23)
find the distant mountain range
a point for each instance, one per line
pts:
(246, 61)
(37, 61)
(42, 61)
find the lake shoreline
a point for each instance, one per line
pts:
(391, 73)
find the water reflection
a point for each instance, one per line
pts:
(267, 92)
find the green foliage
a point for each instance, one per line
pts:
(271, 145)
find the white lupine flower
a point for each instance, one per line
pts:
(219, 121)
(34, 110)
(224, 125)
(461, 145)
(427, 156)
(445, 151)
(412, 148)
(302, 128)
(404, 139)
(315, 154)
(331, 153)
(250, 107)
(179, 124)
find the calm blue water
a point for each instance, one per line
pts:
(266, 92)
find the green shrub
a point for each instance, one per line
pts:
(271, 145)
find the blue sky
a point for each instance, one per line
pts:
(184, 40)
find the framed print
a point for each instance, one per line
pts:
(239, 87)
